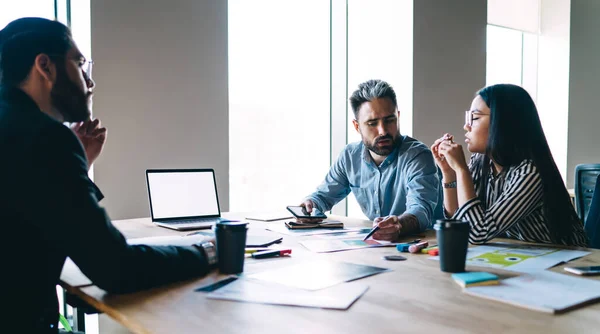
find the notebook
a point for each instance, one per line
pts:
(469, 279)
(324, 224)
(183, 199)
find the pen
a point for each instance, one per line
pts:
(271, 253)
(371, 232)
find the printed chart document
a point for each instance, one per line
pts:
(336, 245)
(520, 258)
(317, 274)
(544, 291)
(339, 297)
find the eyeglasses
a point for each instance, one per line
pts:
(469, 114)
(84, 64)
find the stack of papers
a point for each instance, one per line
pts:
(339, 297)
(317, 274)
(544, 291)
(308, 284)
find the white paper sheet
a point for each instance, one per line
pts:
(175, 240)
(339, 297)
(317, 274)
(544, 291)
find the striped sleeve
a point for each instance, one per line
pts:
(521, 195)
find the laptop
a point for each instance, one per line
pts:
(183, 199)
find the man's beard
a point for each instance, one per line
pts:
(383, 150)
(69, 100)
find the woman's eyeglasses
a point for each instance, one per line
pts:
(470, 114)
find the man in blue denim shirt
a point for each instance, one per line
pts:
(393, 177)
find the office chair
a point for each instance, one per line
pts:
(585, 181)
(592, 222)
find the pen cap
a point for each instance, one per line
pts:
(231, 245)
(453, 241)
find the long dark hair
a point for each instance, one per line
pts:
(25, 38)
(515, 135)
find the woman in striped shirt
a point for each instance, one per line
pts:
(511, 187)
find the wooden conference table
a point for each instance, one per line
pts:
(414, 297)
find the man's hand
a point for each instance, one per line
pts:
(308, 205)
(92, 137)
(389, 228)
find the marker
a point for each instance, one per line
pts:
(417, 247)
(271, 253)
(254, 250)
(426, 250)
(434, 252)
(404, 247)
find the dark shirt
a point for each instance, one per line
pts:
(49, 211)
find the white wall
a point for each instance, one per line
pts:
(449, 64)
(584, 91)
(161, 75)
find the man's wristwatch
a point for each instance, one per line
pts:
(210, 252)
(449, 185)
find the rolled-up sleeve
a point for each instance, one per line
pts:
(422, 188)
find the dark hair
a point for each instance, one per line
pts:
(370, 90)
(22, 40)
(515, 135)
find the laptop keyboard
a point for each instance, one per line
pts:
(191, 221)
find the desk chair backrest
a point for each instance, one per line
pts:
(585, 181)
(592, 222)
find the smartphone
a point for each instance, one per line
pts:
(300, 212)
(593, 270)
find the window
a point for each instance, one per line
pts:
(393, 64)
(512, 58)
(278, 101)
(289, 78)
(26, 8)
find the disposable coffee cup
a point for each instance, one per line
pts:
(453, 241)
(231, 244)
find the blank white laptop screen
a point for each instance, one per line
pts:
(182, 194)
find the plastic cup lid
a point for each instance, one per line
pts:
(446, 224)
(232, 225)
